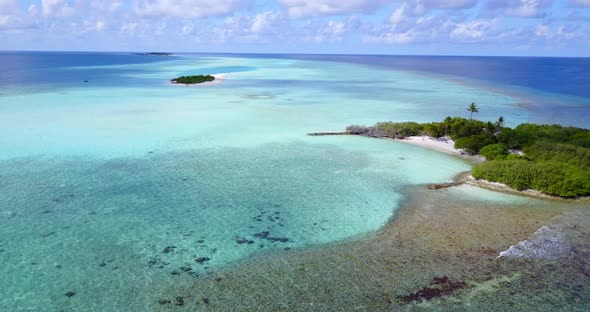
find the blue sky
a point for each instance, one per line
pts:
(459, 27)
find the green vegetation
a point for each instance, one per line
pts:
(193, 79)
(472, 109)
(494, 151)
(549, 158)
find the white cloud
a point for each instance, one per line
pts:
(522, 8)
(57, 8)
(391, 38)
(32, 10)
(265, 22)
(306, 8)
(399, 15)
(189, 8)
(129, 28)
(11, 18)
(106, 6)
(446, 4)
(471, 31)
(332, 31)
(560, 33)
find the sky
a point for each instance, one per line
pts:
(431, 27)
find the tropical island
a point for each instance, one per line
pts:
(551, 159)
(188, 80)
(156, 53)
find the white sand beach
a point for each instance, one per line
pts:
(441, 144)
(445, 145)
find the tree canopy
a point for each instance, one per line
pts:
(193, 79)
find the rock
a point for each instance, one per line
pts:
(206, 300)
(164, 301)
(439, 186)
(262, 234)
(47, 234)
(439, 287)
(202, 260)
(278, 239)
(186, 269)
(241, 240)
(169, 249)
(102, 264)
(70, 294)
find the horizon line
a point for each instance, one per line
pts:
(296, 53)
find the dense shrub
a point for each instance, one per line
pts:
(468, 128)
(553, 178)
(398, 129)
(356, 129)
(434, 129)
(494, 151)
(510, 138)
(515, 157)
(472, 144)
(193, 79)
(546, 151)
(528, 134)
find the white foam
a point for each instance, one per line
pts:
(547, 243)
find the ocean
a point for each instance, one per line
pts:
(118, 186)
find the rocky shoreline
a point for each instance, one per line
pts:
(438, 252)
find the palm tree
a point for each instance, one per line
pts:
(472, 109)
(499, 123)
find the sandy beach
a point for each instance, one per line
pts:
(445, 145)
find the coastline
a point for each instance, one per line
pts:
(437, 252)
(433, 241)
(446, 146)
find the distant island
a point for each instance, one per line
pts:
(552, 159)
(187, 80)
(156, 53)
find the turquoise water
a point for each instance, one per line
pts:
(115, 187)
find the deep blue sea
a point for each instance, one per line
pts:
(121, 187)
(562, 75)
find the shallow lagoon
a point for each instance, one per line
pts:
(113, 188)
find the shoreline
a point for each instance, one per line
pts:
(432, 238)
(447, 147)
(443, 145)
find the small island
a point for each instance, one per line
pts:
(156, 54)
(189, 80)
(551, 159)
